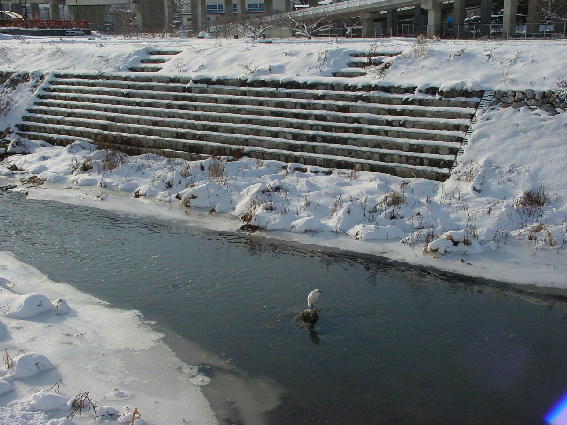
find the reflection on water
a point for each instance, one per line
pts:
(394, 344)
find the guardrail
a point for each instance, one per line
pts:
(43, 24)
(345, 6)
(537, 30)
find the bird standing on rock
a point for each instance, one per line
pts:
(313, 297)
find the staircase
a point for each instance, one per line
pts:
(332, 125)
(360, 60)
(154, 59)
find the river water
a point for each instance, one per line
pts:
(394, 344)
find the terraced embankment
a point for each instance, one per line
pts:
(334, 125)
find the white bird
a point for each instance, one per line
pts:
(313, 297)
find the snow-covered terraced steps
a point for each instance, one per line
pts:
(144, 67)
(393, 131)
(361, 60)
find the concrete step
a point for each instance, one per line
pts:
(334, 95)
(274, 83)
(145, 68)
(374, 54)
(47, 132)
(348, 73)
(64, 140)
(363, 64)
(164, 52)
(154, 60)
(250, 139)
(286, 103)
(366, 136)
(322, 120)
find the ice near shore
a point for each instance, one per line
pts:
(53, 355)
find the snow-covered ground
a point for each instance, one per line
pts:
(481, 64)
(502, 214)
(484, 220)
(503, 207)
(64, 343)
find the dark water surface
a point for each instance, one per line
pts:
(394, 345)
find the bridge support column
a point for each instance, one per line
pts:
(417, 18)
(35, 14)
(459, 12)
(433, 16)
(485, 16)
(509, 18)
(197, 11)
(392, 23)
(54, 11)
(532, 16)
(227, 8)
(368, 25)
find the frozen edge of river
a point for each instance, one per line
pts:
(94, 348)
(516, 264)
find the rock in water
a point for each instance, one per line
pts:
(308, 316)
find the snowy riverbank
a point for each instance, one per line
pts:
(83, 346)
(501, 215)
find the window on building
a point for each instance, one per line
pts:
(215, 8)
(255, 7)
(234, 8)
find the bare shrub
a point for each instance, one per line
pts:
(250, 212)
(81, 164)
(112, 159)
(217, 169)
(530, 204)
(81, 402)
(8, 361)
(352, 175)
(33, 181)
(393, 199)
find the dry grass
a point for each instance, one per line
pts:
(81, 403)
(8, 361)
(81, 164)
(531, 203)
(112, 159)
(217, 169)
(393, 199)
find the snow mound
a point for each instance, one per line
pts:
(365, 232)
(30, 364)
(458, 241)
(105, 413)
(47, 401)
(26, 306)
(61, 306)
(5, 387)
(127, 419)
(306, 224)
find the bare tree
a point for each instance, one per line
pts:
(308, 26)
(553, 10)
(351, 26)
(254, 28)
(119, 20)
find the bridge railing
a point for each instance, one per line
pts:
(332, 8)
(482, 31)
